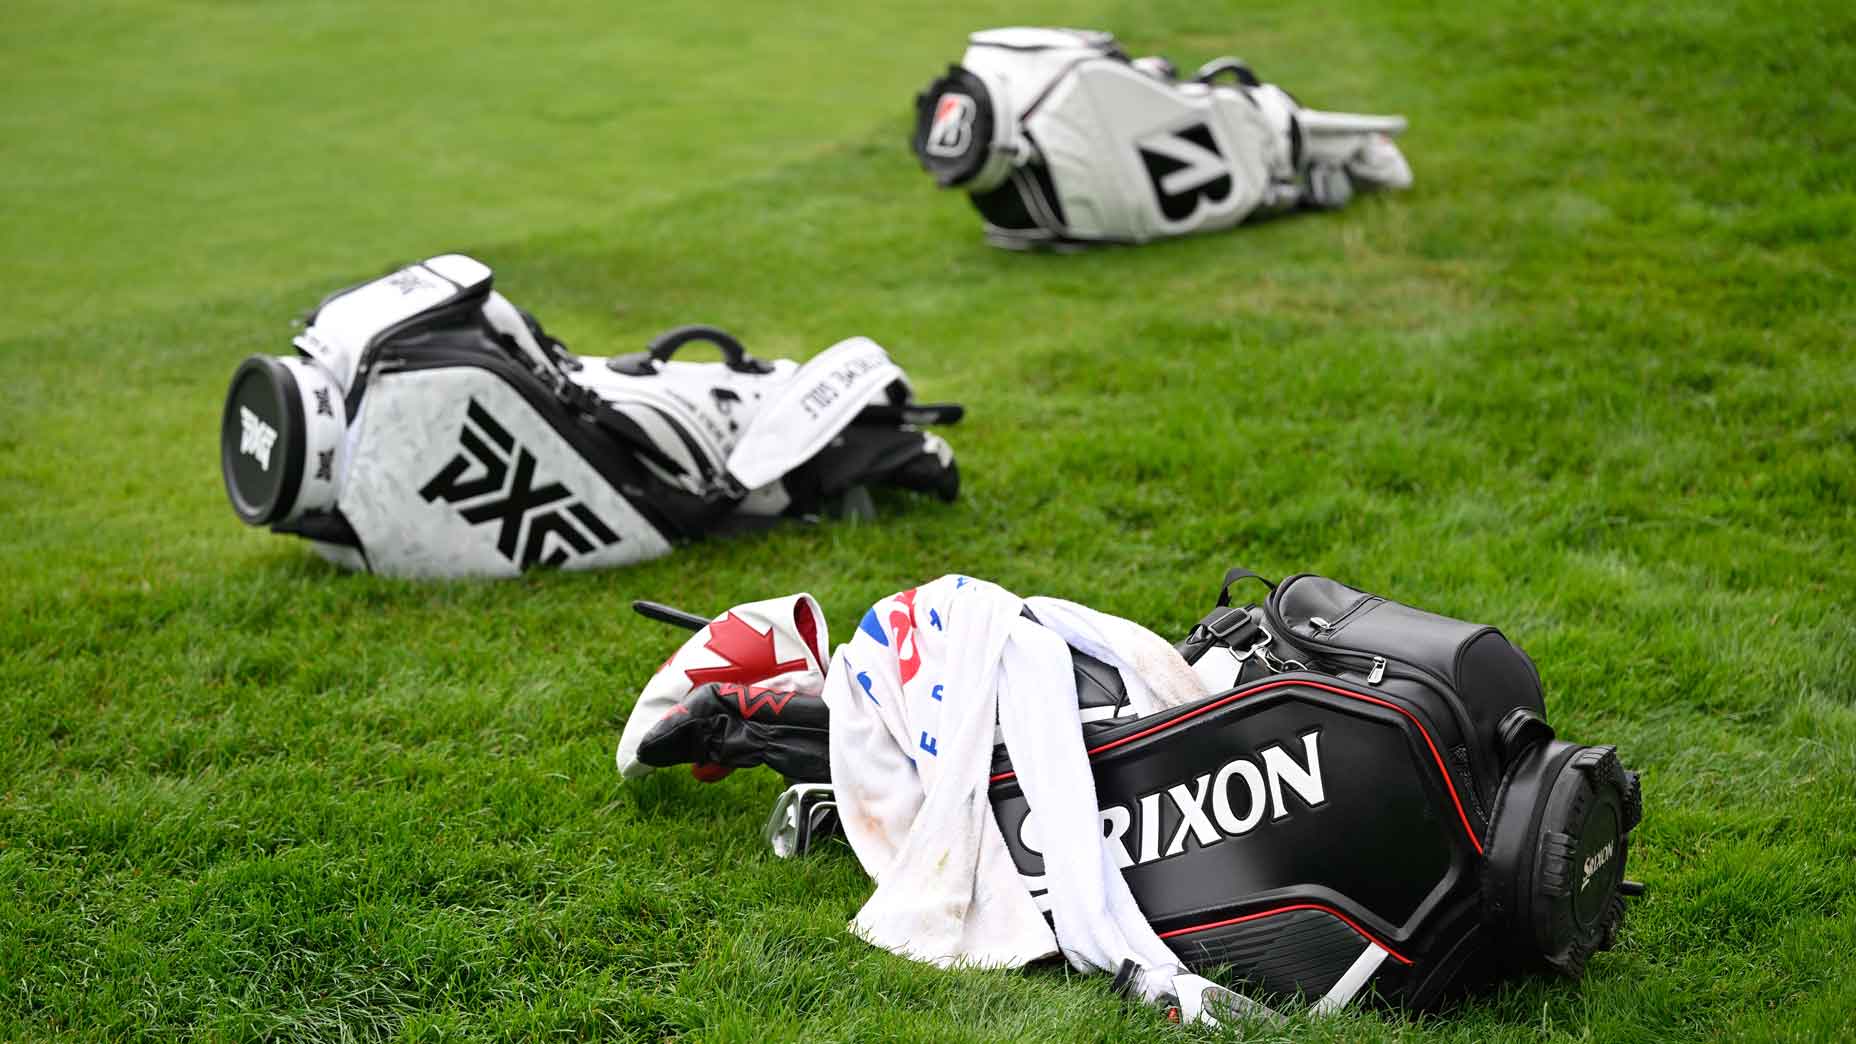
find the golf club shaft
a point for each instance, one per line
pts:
(665, 614)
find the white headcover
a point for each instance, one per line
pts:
(777, 642)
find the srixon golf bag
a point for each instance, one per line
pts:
(427, 427)
(1369, 802)
(1058, 137)
(1371, 798)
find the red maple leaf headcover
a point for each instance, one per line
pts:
(750, 654)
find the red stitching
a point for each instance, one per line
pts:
(1368, 936)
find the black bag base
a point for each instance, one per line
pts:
(1556, 861)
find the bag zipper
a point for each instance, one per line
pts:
(1282, 628)
(1327, 628)
(1377, 666)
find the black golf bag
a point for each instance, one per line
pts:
(1058, 137)
(428, 427)
(1372, 790)
(1369, 802)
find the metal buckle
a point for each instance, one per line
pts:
(1230, 623)
(1254, 650)
(801, 814)
(1279, 664)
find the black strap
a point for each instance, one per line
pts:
(917, 413)
(1232, 576)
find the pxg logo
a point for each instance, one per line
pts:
(506, 494)
(255, 437)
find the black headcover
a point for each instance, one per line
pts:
(729, 726)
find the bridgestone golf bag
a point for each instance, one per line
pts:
(1368, 804)
(427, 427)
(1059, 138)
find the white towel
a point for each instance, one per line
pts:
(914, 697)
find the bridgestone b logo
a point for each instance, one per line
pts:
(255, 437)
(506, 494)
(952, 129)
(1185, 166)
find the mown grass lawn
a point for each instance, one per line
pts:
(1591, 381)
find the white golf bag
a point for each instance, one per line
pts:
(1059, 138)
(427, 427)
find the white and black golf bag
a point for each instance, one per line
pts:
(1059, 138)
(427, 427)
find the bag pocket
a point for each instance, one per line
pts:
(1472, 669)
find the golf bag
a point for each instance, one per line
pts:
(427, 427)
(1371, 798)
(1368, 802)
(1059, 138)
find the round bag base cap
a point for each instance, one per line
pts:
(261, 440)
(1576, 888)
(954, 128)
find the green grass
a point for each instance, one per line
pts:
(1592, 381)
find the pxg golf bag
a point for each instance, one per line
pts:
(1368, 802)
(429, 428)
(1059, 138)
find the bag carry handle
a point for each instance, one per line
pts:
(665, 345)
(1236, 68)
(1232, 576)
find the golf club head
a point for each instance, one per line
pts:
(802, 814)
